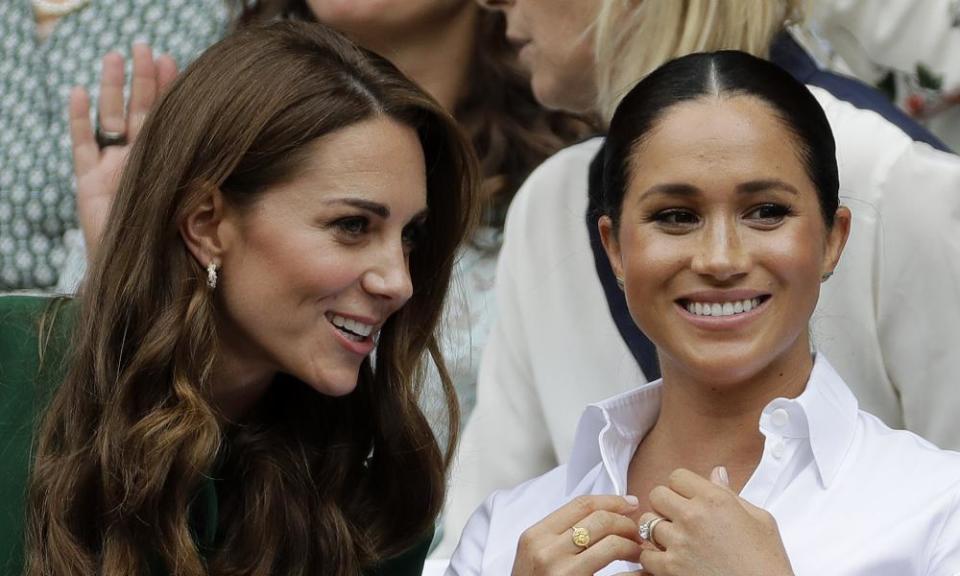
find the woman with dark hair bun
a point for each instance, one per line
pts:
(210, 404)
(720, 217)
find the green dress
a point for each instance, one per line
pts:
(25, 384)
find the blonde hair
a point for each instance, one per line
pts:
(634, 37)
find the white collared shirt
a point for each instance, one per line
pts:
(851, 496)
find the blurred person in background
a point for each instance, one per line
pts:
(563, 337)
(47, 47)
(909, 48)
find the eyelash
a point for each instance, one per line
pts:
(353, 227)
(413, 235)
(668, 217)
(779, 212)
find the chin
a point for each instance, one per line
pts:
(334, 384)
(722, 366)
(552, 96)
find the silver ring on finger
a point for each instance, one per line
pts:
(106, 138)
(647, 528)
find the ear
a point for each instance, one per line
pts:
(611, 245)
(202, 228)
(836, 239)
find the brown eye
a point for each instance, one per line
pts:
(352, 225)
(413, 235)
(677, 218)
(768, 214)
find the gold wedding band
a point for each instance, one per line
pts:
(581, 536)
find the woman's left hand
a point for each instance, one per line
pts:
(708, 530)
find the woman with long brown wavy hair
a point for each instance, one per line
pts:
(291, 205)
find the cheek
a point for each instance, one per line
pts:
(648, 259)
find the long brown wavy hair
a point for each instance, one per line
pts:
(306, 484)
(510, 131)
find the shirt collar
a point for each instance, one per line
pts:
(825, 414)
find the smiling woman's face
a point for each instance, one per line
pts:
(721, 241)
(314, 268)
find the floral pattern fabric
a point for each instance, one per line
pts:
(37, 204)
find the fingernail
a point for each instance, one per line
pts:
(719, 476)
(632, 500)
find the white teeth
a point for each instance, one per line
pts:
(351, 327)
(722, 309)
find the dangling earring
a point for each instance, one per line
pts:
(826, 276)
(212, 275)
(620, 282)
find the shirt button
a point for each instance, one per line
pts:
(779, 417)
(779, 449)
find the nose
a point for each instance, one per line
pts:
(721, 253)
(389, 277)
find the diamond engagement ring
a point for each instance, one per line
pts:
(581, 537)
(647, 528)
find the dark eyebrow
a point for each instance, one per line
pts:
(687, 190)
(765, 185)
(374, 207)
(377, 208)
(670, 189)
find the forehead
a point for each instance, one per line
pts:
(719, 140)
(377, 160)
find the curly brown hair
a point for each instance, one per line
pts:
(307, 484)
(510, 131)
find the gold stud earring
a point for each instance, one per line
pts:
(620, 282)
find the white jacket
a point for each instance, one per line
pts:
(889, 319)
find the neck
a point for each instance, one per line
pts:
(703, 424)
(239, 381)
(436, 57)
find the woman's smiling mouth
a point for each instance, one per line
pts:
(720, 311)
(357, 336)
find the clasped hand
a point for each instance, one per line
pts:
(707, 530)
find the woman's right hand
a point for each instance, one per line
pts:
(548, 547)
(97, 168)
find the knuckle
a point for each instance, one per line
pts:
(691, 516)
(716, 499)
(659, 494)
(527, 540)
(605, 521)
(539, 557)
(585, 504)
(676, 475)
